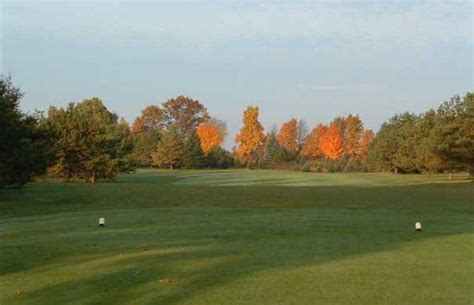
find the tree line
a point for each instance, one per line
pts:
(86, 141)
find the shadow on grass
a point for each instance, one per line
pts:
(224, 245)
(234, 231)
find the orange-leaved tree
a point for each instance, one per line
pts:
(312, 146)
(331, 142)
(211, 134)
(251, 135)
(288, 136)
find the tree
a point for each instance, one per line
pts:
(211, 134)
(144, 146)
(151, 118)
(90, 142)
(23, 145)
(364, 143)
(193, 157)
(426, 139)
(288, 136)
(251, 134)
(331, 142)
(456, 127)
(183, 113)
(352, 136)
(312, 145)
(271, 150)
(404, 158)
(395, 145)
(219, 158)
(169, 151)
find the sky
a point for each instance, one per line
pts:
(310, 60)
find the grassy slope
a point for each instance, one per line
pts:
(239, 237)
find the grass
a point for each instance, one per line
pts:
(239, 237)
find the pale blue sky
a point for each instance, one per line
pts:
(306, 59)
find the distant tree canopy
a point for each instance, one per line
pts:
(343, 139)
(169, 151)
(152, 118)
(86, 141)
(23, 145)
(436, 141)
(184, 114)
(90, 143)
(144, 145)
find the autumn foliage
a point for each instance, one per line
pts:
(345, 136)
(211, 134)
(86, 141)
(312, 147)
(288, 136)
(332, 143)
(251, 134)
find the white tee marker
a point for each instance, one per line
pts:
(418, 226)
(102, 222)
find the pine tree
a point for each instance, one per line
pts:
(169, 151)
(23, 145)
(193, 154)
(456, 130)
(144, 146)
(90, 143)
(270, 150)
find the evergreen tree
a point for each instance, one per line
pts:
(404, 158)
(426, 140)
(271, 150)
(144, 146)
(169, 151)
(219, 158)
(456, 133)
(23, 145)
(193, 154)
(90, 142)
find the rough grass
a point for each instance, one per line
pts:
(239, 237)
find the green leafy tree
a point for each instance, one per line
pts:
(193, 154)
(23, 145)
(404, 158)
(144, 146)
(392, 148)
(219, 158)
(90, 142)
(455, 132)
(271, 150)
(426, 140)
(169, 151)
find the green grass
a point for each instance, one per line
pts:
(239, 237)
